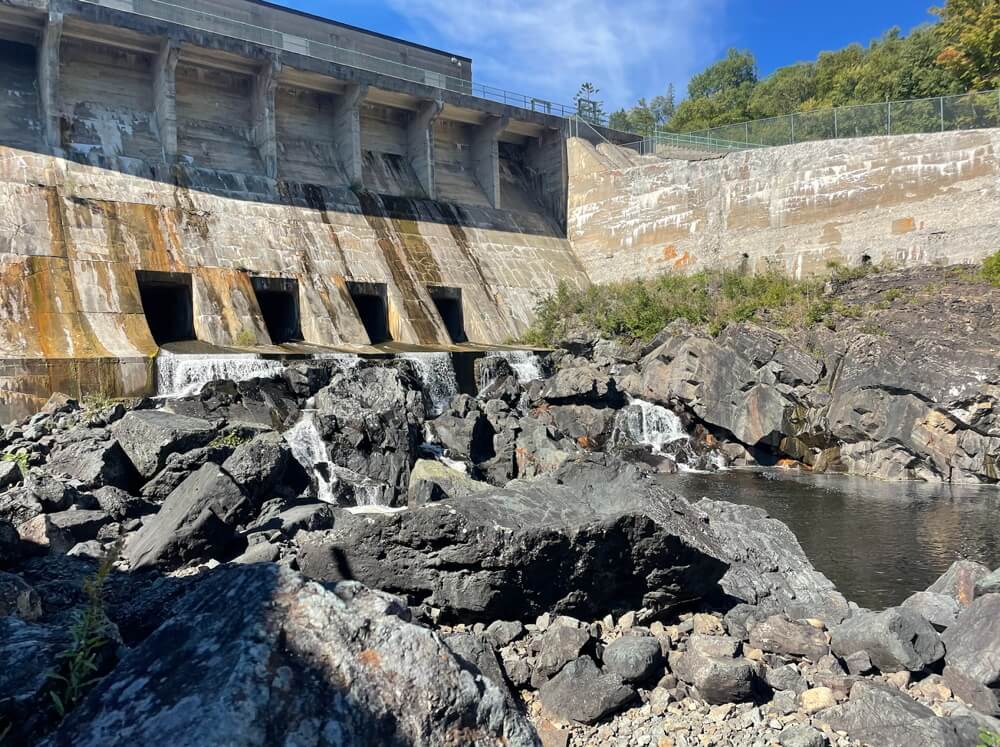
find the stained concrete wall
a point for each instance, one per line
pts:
(73, 235)
(903, 199)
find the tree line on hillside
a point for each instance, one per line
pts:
(958, 53)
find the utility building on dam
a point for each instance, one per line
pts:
(232, 175)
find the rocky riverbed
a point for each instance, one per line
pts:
(314, 558)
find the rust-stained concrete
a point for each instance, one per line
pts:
(906, 199)
(72, 237)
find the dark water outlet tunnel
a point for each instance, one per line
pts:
(371, 301)
(167, 304)
(449, 305)
(278, 299)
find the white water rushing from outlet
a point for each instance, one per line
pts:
(179, 374)
(437, 374)
(526, 364)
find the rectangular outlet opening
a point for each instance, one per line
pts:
(449, 305)
(167, 303)
(371, 301)
(278, 299)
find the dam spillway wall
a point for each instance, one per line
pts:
(904, 199)
(160, 182)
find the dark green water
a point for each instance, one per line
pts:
(878, 542)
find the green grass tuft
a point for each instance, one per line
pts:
(991, 269)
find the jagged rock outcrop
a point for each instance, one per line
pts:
(913, 392)
(256, 654)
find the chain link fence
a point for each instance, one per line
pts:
(966, 111)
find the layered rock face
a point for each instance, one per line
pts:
(909, 393)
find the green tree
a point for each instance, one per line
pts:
(664, 106)
(588, 107)
(784, 91)
(970, 30)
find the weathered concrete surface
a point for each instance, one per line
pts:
(910, 199)
(72, 236)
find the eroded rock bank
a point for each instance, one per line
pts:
(313, 557)
(897, 378)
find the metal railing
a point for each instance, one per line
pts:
(967, 111)
(216, 24)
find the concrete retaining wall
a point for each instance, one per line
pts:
(903, 199)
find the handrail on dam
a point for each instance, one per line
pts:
(213, 23)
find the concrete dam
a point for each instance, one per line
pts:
(173, 180)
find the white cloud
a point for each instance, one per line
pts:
(628, 48)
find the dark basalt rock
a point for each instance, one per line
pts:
(148, 437)
(973, 654)
(577, 544)
(897, 639)
(882, 715)
(635, 658)
(254, 654)
(581, 692)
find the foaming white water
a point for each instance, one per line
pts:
(437, 375)
(663, 431)
(655, 426)
(309, 450)
(526, 364)
(179, 374)
(307, 446)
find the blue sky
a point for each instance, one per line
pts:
(628, 48)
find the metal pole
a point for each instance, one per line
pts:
(791, 119)
(746, 132)
(888, 118)
(941, 102)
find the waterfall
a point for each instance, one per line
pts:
(654, 426)
(307, 446)
(180, 375)
(437, 376)
(526, 364)
(663, 432)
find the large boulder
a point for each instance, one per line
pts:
(10, 474)
(959, 581)
(710, 666)
(732, 382)
(370, 423)
(29, 652)
(257, 655)
(897, 639)
(586, 542)
(93, 461)
(431, 480)
(767, 566)
(582, 692)
(148, 437)
(199, 519)
(469, 437)
(634, 658)
(777, 634)
(882, 715)
(972, 661)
